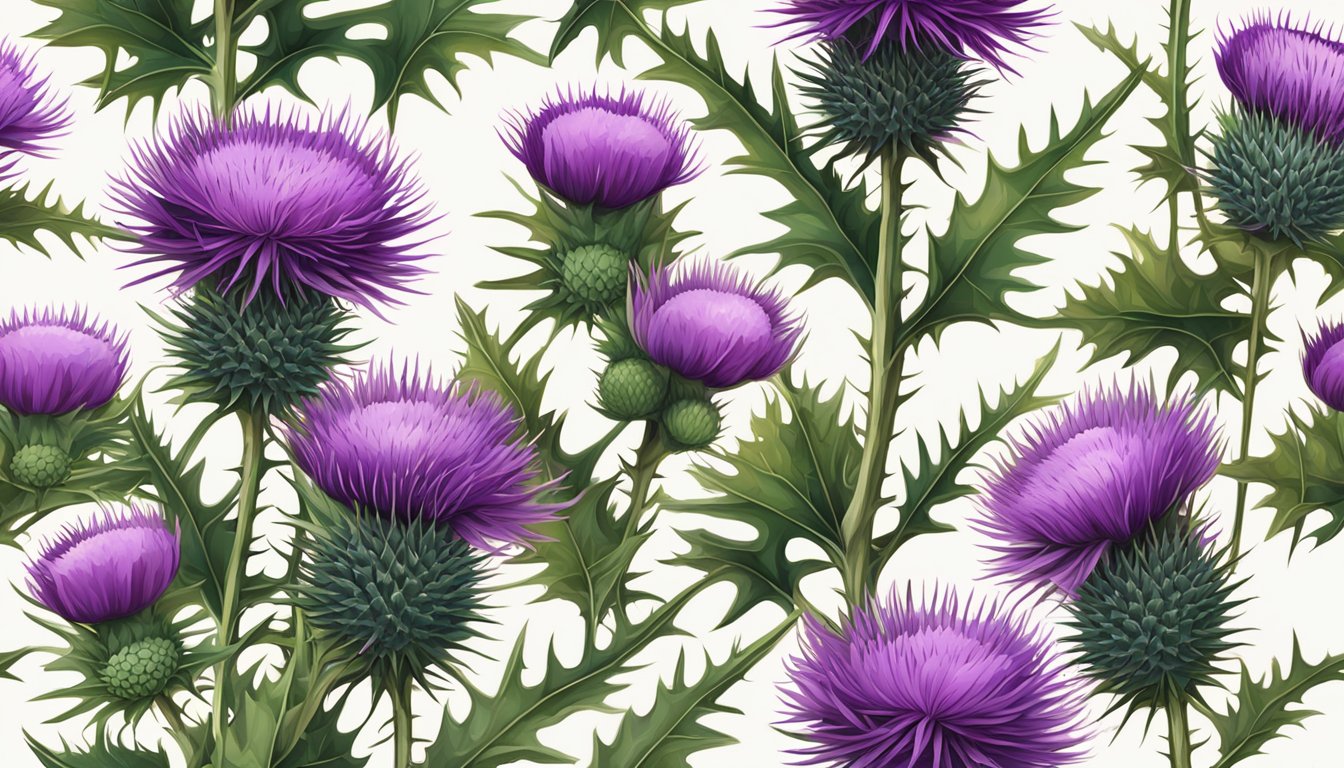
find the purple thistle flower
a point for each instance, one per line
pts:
(29, 114)
(936, 684)
(603, 149)
(57, 362)
(1096, 474)
(403, 446)
(983, 29)
(275, 199)
(1289, 71)
(711, 323)
(111, 568)
(1323, 364)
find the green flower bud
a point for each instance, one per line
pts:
(40, 466)
(632, 389)
(595, 275)
(692, 423)
(141, 669)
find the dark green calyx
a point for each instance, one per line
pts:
(692, 424)
(914, 97)
(1275, 180)
(39, 466)
(404, 596)
(142, 669)
(1153, 619)
(632, 389)
(263, 355)
(595, 275)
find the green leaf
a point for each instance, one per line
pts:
(24, 213)
(421, 36)
(164, 48)
(1303, 474)
(793, 480)
(827, 225)
(614, 21)
(207, 538)
(930, 482)
(672, 730)
(101, 754)
(1262, 711)
(974, 264)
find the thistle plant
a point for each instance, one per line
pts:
(377, 515)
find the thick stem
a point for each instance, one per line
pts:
(400, 691)
(254, 448)
(885, 357)
(1178, 732)
(650, 454)
(224, 85)
(1262, 284)
(1178, 65)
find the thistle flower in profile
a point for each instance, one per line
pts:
(29, 114)
(54, 362)
(602, 149)
(1288, 71)
(113, 567)
(275, 201)
(403, 446)
(983, 29)
(934, 684)
(709, 322)
(1091, 477)
(1323, 364)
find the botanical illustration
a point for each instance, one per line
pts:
(327, 589)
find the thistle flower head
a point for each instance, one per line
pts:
(609, 150)
(934, 684)
(983, 29)
(709, 322)
(29, 114)
(1323, 364)
(401, 445)
(1093, 476)
(54, 362)
(1290, 71)
(113, 567)
(274, 201)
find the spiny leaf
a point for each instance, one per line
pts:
(103, 753)
(1262, 711)
(929, 482)
(1155, 301)
(973, 265)
(672, 730)
(164, 47)
(1303, 474)
(828, 225)
(793, 480)
(25, 213)
(613, 20)
(421, 36)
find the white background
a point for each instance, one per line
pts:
(466, 169)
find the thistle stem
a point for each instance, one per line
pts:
(1178, 732)
(647, 458)
(400, 692)
(254, 448)
(225, 77)
(1178, 65)
(1262, 284)
(885, 357)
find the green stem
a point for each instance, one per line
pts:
(642, 473)
(885, 358)
(1262, 284)
(401, 722)
(1178, 732)
(1178, 65)
(254, 448)
(225, 77)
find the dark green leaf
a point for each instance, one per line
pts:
(614, 21)
(24, 213)
(101, 754)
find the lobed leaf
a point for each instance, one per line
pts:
(24, 213)
(613, 21)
